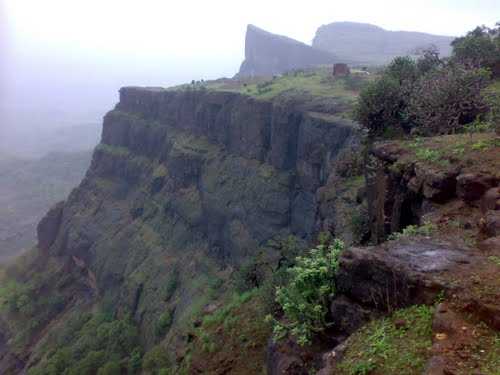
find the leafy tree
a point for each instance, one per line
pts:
(304, 301)
(429, 60)
(381, 105)
(445, 99)
(480, 48)
(403, 69)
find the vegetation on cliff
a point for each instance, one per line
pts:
(433, 95)
(193, 221)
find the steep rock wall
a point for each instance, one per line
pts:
(186, 184)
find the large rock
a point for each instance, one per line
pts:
(398, 274)
(269, 54)
(490, 223)
(471, 186)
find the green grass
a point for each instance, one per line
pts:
(317, 82)
(495, 260)
(388, 350)
(425, 229)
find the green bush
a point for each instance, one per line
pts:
(425, 229)
(446, 99)
(304, 301)
(480, 48)
(155, 359)
(164, 322)
(110, 368)
(89, 343)
(380, 105)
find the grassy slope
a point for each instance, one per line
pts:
(318, 82)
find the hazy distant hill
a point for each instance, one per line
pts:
(28, 189)
(29, 133)
(267, 54)
(370, 44)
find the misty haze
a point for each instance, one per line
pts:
(266, 187)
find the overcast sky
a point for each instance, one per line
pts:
(92, 47)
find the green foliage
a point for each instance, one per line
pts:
(495, 260)
(403, 70)
(304, 300)
(90, 343)
(427, 154)
(479, 48)
(110, 368)
(155, 359)
(425, 229)
(363, 368)
(444, 100)
(381, 105)
(431, 95)
(164, 322)
(383, 347)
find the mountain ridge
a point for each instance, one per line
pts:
(374, 45)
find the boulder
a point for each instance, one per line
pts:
(347, 316)
(490, 200)
(472, 186)
(490, 224)
(284, 358)
(397, 274)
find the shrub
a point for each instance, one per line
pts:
(110, 368)
(479, 48)
(425, 229)
(164, 322)
(304, 301)
(381, 105)
(155, 359)
(446, 99)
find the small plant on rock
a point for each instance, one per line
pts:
(425, 229)
(304, 301)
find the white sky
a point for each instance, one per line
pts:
(166, 42)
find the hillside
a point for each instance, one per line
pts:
(297, 224)
(372, 45)
(186, 187)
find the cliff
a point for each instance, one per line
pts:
(373, 45)
(185, 185)
(268, 54)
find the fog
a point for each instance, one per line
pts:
(62, 62)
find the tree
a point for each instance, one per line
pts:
(381, 106)
(446, 99)
(429, 60)
(480, 48)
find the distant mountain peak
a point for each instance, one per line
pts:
(372, 45)
(268, 54)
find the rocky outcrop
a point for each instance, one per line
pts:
(269, 54)
(401, 191)
(369, 44)
(371, 282)
(48, 227)
(186, 183)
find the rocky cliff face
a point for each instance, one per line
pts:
(269, 54)
(368, 44)
(184, 186)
